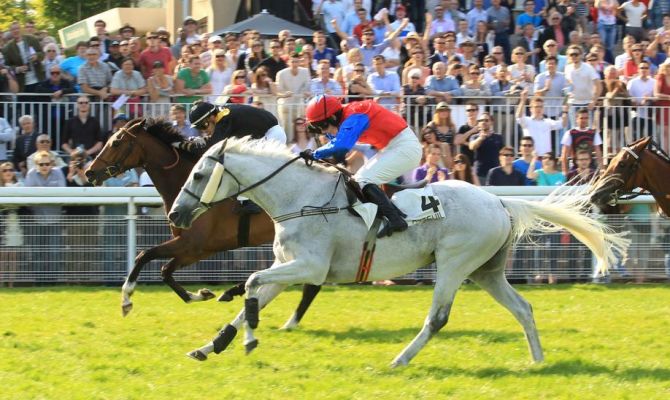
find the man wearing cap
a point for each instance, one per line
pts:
(126, 32)
(213, 43)
(155, 52)
(400, 14)
(239, 120)
(190, 26)
(115, 55)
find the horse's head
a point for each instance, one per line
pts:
(623, 174)
(120, 153)
(205, 185)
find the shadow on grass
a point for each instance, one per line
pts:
(406, 334)
(567, 368)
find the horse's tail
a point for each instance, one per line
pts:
(566, 210)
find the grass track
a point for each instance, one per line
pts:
(600, 342)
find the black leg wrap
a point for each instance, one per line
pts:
(237, 290)
(309, 292)
(225, 337)
(251, 312)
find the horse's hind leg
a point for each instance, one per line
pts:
(446, 286)
(309, 292)
(491, 277)
(266, 294)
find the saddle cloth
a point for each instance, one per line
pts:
(418, 204)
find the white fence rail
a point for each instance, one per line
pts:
(102, 248)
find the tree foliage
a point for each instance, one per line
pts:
(54, 14)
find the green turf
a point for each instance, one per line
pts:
(600, 342)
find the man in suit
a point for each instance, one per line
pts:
(23, 53)
(26, 143)
(529, 44)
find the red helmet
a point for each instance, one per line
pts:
(322, 107)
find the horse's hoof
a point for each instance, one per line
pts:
(206, 294)
(126, 308)
(398, 362)
(225, 297)
(251, 312)
(197, 355)
(249, 347)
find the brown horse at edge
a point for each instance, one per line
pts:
(641, 164)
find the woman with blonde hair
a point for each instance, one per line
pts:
(12, 235)
(521, 74)
(443, 124)
(237, 88)
(219, 73)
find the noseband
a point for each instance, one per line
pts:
(115, 168)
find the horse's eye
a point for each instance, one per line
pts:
(197, 176)
(116, 143)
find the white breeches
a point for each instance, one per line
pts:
(276, 133)
(402, 154)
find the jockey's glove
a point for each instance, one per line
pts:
(192, 144)
(307, 154)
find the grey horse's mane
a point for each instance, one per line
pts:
(265, 148)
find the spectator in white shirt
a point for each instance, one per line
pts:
(293, 83)
(641, 91)
(635, 12)
(583, 80)
(537, 126)
(323, 84)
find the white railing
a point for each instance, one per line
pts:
(618, 124)
(103, 247)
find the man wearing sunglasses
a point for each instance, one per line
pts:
(239, 120)
(399, 150)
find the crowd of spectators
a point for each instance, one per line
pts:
(564, 71)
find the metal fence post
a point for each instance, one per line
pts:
(132, 233)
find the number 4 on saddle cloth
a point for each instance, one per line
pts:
(418, 205)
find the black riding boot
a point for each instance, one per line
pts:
(396, 223)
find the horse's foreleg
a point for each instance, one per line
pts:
(128, 287)
(166, 273)
(227, 334)
(309, 292)
(292, 272)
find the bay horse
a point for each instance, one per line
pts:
(317, 240)
(641, 164)
(147, 143)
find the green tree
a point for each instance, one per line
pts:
(57, 14)
(15, 10)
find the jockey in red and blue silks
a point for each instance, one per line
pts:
(399, 150)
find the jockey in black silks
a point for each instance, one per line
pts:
(221, 122)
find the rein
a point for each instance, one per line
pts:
(304, 211)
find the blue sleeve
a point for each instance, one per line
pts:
(350, 130)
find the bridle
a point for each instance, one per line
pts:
(114, 168)
(623, 179)
(220, 159)
(305, 211)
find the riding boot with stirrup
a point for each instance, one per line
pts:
(396, 222)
